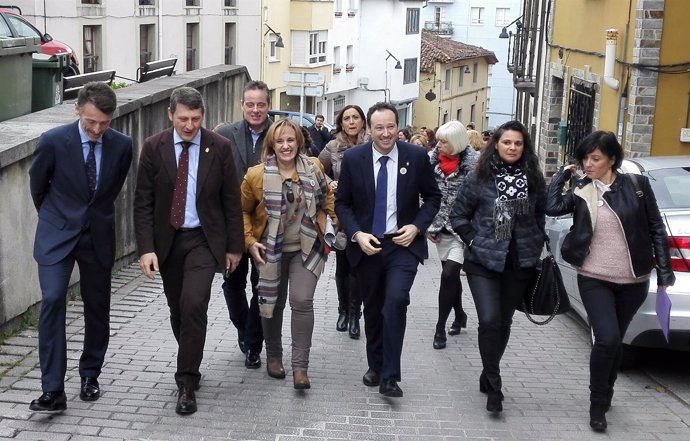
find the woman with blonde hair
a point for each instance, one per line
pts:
(420, 140)
(476, 140)
(285, 201)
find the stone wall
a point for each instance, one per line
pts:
(141, 112)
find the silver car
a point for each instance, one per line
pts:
(670, 180)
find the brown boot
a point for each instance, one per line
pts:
(301, 380)
(274, 367)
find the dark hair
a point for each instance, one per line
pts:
(407, 133)
(339, 118)
(431, 135)
(382, 106)
(257, 85)
(188, 97)
(100, 95)
(319, 117)
(529, 162)
(604, 141)
(269, 140)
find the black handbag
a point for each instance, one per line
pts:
(546, 294)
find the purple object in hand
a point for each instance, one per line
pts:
(663, 310)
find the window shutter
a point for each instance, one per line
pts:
(300, 48)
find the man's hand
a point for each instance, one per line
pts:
(258, 252)
(405, 235)
(148, 263)
(231, 261)
(369, 244)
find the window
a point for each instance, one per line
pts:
(317, 47)
(272, 48)
(477, 15)
(336, 59)
(338, 104)
(230, 3)
(412, 21)
(230, 42)
(90, 2)
(91, 48)
(193, 2)
(338, 8)
(21, 26)
(438, 13)
(147, 2)
(472, 112)
(350, 54)
(446, 84)
(475, 75)
(458, 115)
(410, 71)
(192, 44)
(147, 43)
(461, 76)
(502, 16)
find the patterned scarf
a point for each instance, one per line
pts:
(512, 200)
(314, 189)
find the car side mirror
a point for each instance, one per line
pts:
(47, 37)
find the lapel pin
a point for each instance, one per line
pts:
(403, 170)
(206, 150)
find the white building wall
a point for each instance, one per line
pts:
(120, 31)
(501, 105)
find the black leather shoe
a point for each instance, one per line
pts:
(483, 383)
(390, 388)
(597, 417)
(371, 378)
(89, 389)
(240, 341)
(49, 402)
(494, 401)
(253, 360)
(353, 326)
(341, 324)
(186, 401)
(440, 340)
(458, 324)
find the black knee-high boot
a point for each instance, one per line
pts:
(342, 284)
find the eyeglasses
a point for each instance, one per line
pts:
(290, 194)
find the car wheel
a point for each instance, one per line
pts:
(70, 71)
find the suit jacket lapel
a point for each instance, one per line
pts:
(241, 142)
(403, 161)
(107, 166)
(206, 152)
(168, 154)
(76, 155)
(368, 173)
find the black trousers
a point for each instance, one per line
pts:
(496, 299)
(187, 276)
(610, 309)
(245, 317)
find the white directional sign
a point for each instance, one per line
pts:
(308, 90)
(309, 77)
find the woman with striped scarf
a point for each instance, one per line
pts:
(282, 198)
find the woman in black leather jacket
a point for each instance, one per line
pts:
(499, 215)
(616, 226)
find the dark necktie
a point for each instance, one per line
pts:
(91, 168)
(180, 193)
(378, 227)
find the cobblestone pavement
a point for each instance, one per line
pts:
(545, 378)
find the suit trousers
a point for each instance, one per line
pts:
(94, 285)
(245, 317)
(187, 274)
(496, 299)
(610, 309)
(385, 280)
(298, 284)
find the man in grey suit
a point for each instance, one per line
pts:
(246, 137)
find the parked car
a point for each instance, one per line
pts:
(13, 25)
(308, 119)
(670, 179)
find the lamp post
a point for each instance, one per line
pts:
(279, 44)
(397, 66)
(504, 32)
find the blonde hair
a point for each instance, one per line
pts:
(274, 130)
(476, 139)
(454, 133)
(421, 138)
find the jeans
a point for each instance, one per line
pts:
(496, 299)
(610, 308)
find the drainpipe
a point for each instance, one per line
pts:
(610, 59)
(160, 29)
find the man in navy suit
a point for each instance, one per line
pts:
(77, 172)
(378, 206)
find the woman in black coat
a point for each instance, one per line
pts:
(499, 215)
(616, 226)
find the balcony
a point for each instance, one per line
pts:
(349, 67)
(522, 62)
(93, 10)
(337, 70)
(230, 7)
(146, 10)
(439, 27)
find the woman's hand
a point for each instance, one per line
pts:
(333, 185)
(433, 238)
(570, 168)
(258, 252)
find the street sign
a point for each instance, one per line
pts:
(308, 90)
(309, 77)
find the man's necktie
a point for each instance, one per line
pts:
(378, 227)
(91, 168)
(180, 193)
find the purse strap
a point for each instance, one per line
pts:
(547, 320)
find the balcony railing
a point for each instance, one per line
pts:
(522, 47)
(146, 10)
(439, 27)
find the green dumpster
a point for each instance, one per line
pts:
(15, 71)
(47, 80)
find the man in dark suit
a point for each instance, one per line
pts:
(247, 137)
(377, 204)
(188, 224)
(319, 133)
(77, 172)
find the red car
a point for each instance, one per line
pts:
(13, 25)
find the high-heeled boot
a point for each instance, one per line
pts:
(342, 285)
